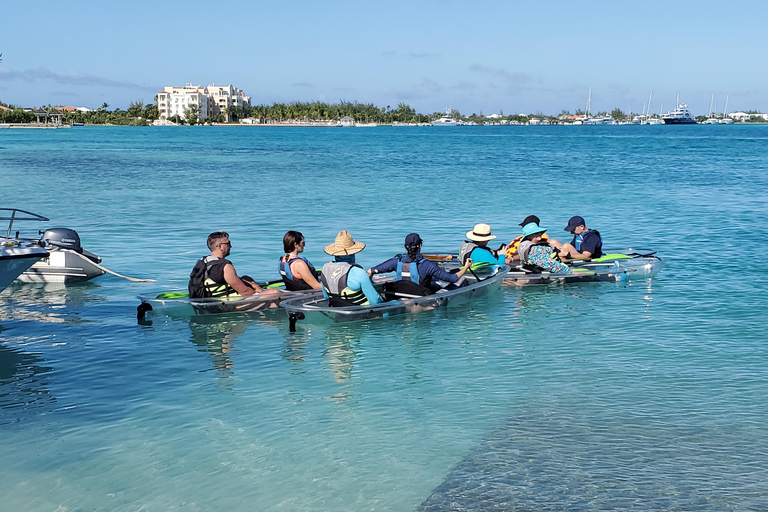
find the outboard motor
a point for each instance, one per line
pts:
(62, 237)
(66, 238)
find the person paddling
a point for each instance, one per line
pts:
(416, 275)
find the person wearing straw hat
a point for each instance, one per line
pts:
(537, 252)
(476, 247)
(344, 282)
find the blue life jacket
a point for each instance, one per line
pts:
(407, 270)
(292, 284)
(579, 239)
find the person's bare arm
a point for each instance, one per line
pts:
(302, 270)
(230, 276)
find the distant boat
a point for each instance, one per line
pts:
(681, 115)
(446, 120)
(726, 119)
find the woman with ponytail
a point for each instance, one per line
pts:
(416, 273)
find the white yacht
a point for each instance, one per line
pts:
(681, 115)
(61, 258)
(446, 120)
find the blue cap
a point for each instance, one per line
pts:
(575, 221)
(532, 228)
(413, 240)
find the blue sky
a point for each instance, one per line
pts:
(482, 56)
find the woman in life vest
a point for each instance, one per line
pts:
(296, 271)
(416, 275)
(476, 248)
(535, 251)
(511, 251)
(344, 282)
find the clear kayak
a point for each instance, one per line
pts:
(317, 310)
(178, 303)
(616, 265)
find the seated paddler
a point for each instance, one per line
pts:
(215, 276)
(538, 254)
(476, 248)
(345, 283)
(296, 271)
(586, 244)
(511, 251)
(416, 275)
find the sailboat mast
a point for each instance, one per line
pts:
(648, 113)
(710, 105)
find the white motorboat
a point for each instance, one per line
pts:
(64, 261)
(446, 119)
(16, 256)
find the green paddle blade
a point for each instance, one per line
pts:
(615, 256)
(172, 295)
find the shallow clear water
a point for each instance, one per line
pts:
(602, 396)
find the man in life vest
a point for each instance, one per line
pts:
(344, 282)
(586, 242)
(511, 251)
(476, 248)
(221, 279)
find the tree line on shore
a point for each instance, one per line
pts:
(139, 114)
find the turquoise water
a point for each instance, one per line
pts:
(601, 396)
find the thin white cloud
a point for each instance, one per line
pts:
(514, 78)
(424, 55)
(78, 79)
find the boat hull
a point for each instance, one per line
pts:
(62, 266)
(679, 121)
(17, 259)
(316, 310)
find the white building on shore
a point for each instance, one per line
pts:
(209, 101)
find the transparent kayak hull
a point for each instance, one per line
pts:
(175, 303)
(617, 265)
(635, 268)
(316, 309)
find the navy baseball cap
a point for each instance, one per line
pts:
(575, 221)
(529, 219)
(412, 240)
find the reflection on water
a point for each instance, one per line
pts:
(217, 338)
(23, 384)
(47, 302)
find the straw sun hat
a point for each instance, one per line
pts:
(344, 245)
(480, 233)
